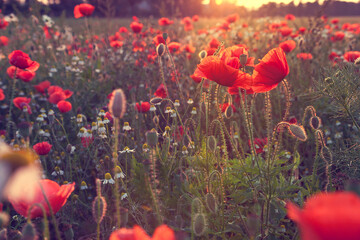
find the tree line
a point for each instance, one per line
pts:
(181, 8)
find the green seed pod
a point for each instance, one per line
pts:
(117, 104)
(99, 209)
(315, 122)
(202, 54)
(229, 112)
(152, 137)
(165, 36)
(29, 232)
(196, 206)
(211, 202)
(243, 59)
(160, 49)
(298, 132)
(212, 143)
(156, 100)
(199, 224)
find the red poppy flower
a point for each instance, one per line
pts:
(195, 18)
(21, 60)
(302, 30)
(42, 148)
(174, 47)
(328, 216)
(288, 45)
(159, 39)
(351, 56)
(143, 108)
(165, 21)
(338, 36)
(285, 31)
(83, 9)
(55, 194)
(186, 20)
(25, 76)
(214, 43)
(233, 54)
(290, 17)
(123, 30)
(333, 56)
(161, 91)
(2, 95)
(271, 70)
(138, 46)
(4, 41)
(304, 56)
(136, 27)
(56, 97)
(21, 102)
(259, 144)
(335, 21)
(189, 48)
(41, 87)
(3, 23)
(224, 71)
(162, 232)
(64, 106)
(116, 44)
(232, 18)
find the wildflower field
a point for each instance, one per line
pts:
(191, 128)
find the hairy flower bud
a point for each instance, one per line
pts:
(152, 137)
(298, 132)
(99, 208)
(117, 104)
(203, 54)
(160, 49)
(243, 59)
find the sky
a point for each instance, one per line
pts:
(257, 3)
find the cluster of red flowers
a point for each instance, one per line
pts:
(224, 69)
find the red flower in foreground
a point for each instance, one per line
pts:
(143, 108)
(288, 45)
(64, 106)
(83, 9)
(25, 76)
(328, 216)
(136, 27)
(351, 56)
(55, 194)
(21, 102)
(162, 232)
(161, 92)
(271, 70)
(21, 60)
(224, 69)
(2, 95)
(42, 148)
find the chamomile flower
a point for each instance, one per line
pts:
(145, 147)
(127, 150)
(40, 118)
(108, 179)
(329, 141)
(101, 129)
(57, 172)
(118, 173)
(177, 103)
(173, 113)
(190, 101)
(81, 132)
(184, 150)
(167, 130)
(102, 113)
(94, 126)
(168, 110)
(152, 108)
(193, 111)
(83, 186)
(126, 126)
(123, 196)
(106, 120)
